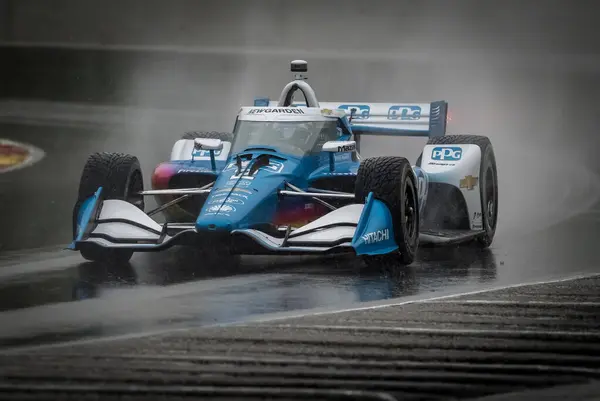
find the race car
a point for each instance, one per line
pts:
(289, 179)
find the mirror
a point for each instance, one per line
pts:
(339, 146)
(208, 144)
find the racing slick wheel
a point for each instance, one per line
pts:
(488, 180)
(120, 177)
(391, 179)
(224, 136)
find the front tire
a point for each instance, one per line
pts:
(392, 181)
(120, 177)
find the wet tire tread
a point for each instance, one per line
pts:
(224, 136)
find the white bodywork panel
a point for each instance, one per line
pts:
(335, 226)
(348, 214)
(110, 244)
(461, 173)
(285, 114)
(183, 149)
(208, 143)
(276, 244)
(413, 116)
(333, 230)
(339, 146)
(118, 209)
(124, 230)
(332, 234)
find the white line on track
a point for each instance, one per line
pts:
(443, 332)
(395, 302)
(516, 303)
(287, 315)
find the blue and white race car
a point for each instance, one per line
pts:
(289, 179)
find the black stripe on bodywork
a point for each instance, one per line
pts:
(312, 230)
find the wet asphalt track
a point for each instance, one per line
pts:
(50, 295)
(480, 344)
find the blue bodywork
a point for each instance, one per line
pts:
(85, 215)
(245, 194)
(242, 200)
(374, 234)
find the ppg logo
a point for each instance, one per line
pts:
(446, 153)
(361, 111)
(404, 113)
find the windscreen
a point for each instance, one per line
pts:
(296, 138)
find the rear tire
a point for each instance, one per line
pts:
(488, 180)
(392, 181)
(224, 136)
(120, 177)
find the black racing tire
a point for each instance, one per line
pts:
(488, 180)
(391, 179)
(120, 177)
(224, 136)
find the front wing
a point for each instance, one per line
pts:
(365, 229)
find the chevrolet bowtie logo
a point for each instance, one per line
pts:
(469, 182)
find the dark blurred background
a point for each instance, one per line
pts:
(132, 75)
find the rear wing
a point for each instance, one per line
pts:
(391, 119)
(395, 119)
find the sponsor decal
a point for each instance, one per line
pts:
(361, 111)
(15, 155)
(241, 190)
(205, 153)
(232, 201)
(244, 176)
(292, 110)
(227, 209)
(231, 189)
(477, 221)
(328, 173)
(346, 148)
(404, 112)
(452, 153)
(220, 209)
(192, 170)
(469, 182)
(376, 236)
(326, 112)
(239, 195)
(233, 178)
(342, 157)
(441, 164)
